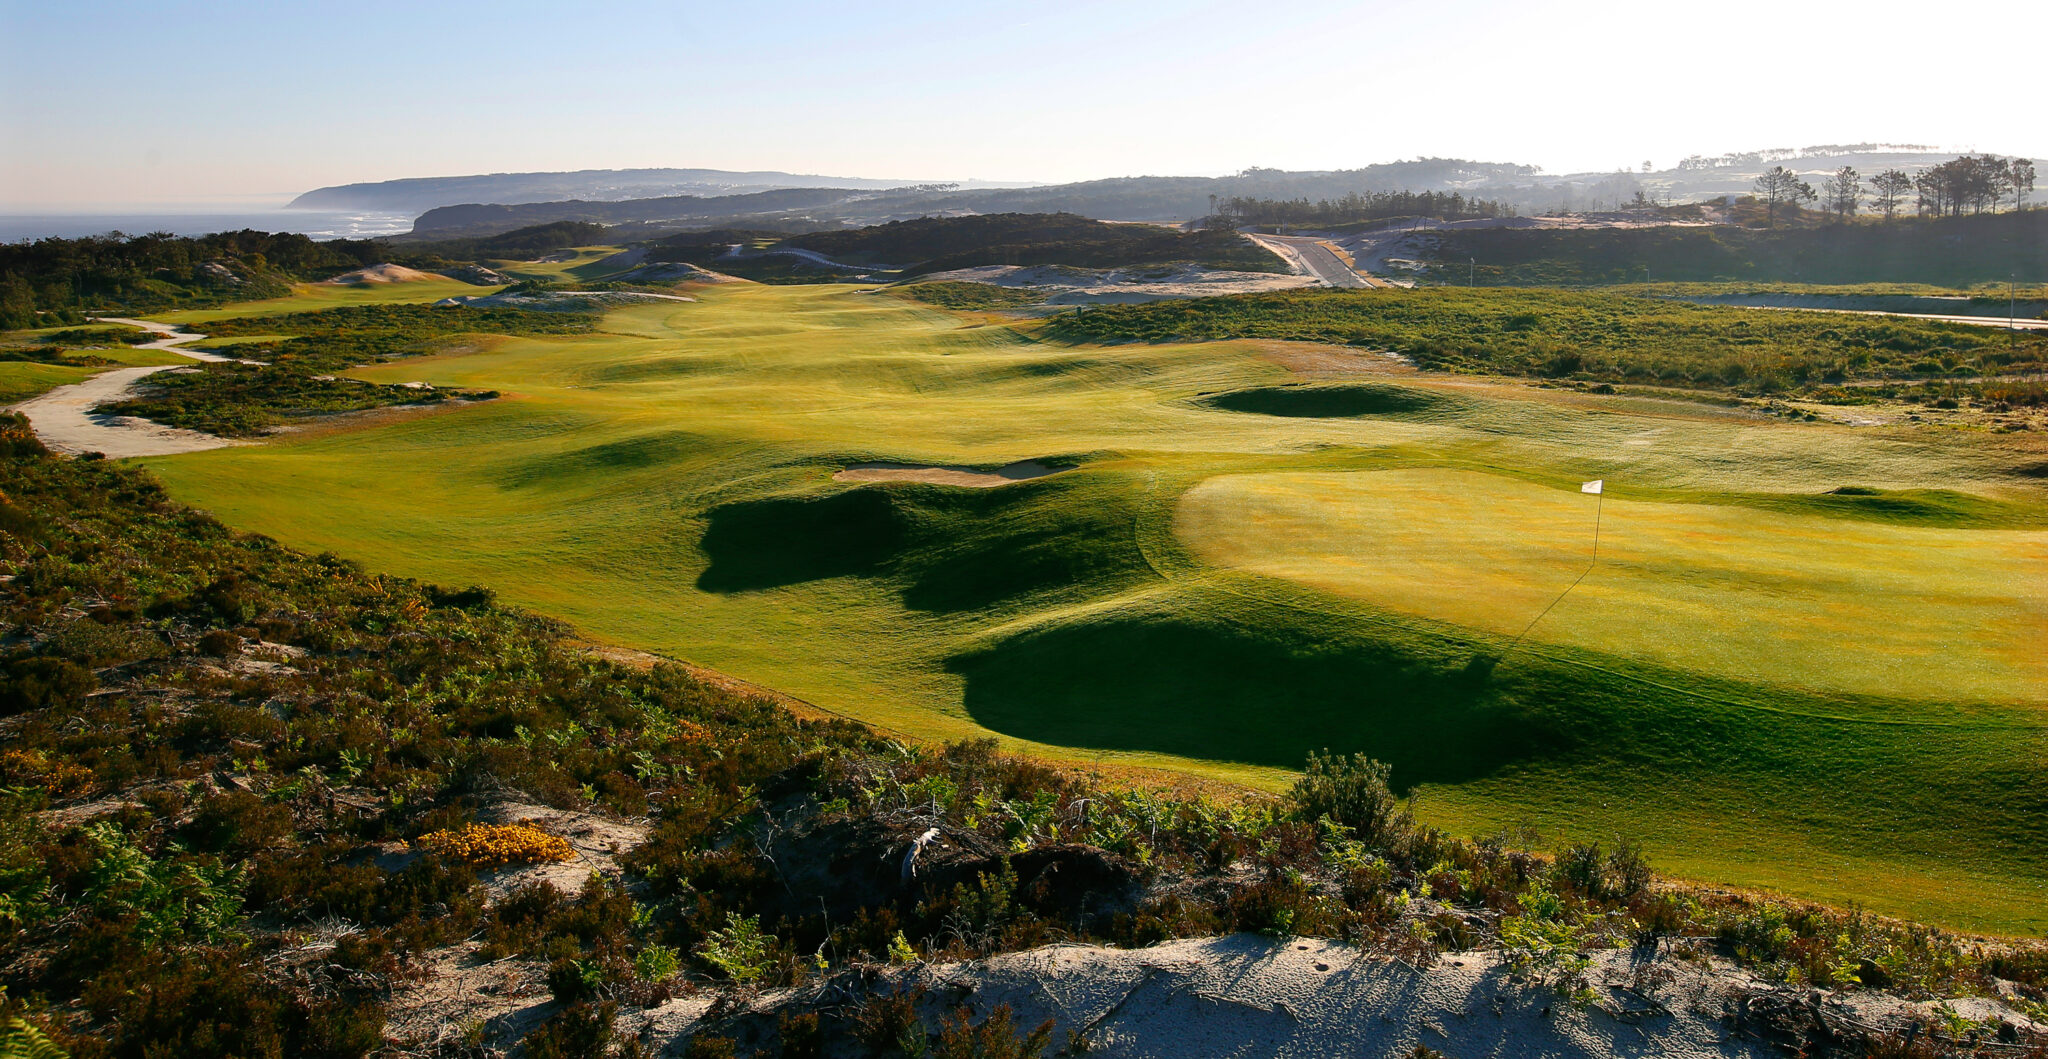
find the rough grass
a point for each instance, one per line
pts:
(666, 483)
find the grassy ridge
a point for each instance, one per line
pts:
(666, 483)
(1954, 252)
(936, 244)
(1578, 335)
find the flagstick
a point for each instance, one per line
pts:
(1598, 506)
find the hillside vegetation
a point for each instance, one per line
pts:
(54, 281)
(296, 376)
(937, 244)
(1581, 335)
(1948, 252)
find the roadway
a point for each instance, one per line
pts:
(1317, 258)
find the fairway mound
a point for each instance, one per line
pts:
(378, 274)
(1334, 402)
(971, 477)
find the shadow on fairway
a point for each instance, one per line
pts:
(790, 540)
(1222, 690)
(949, 549)
(1337, 402)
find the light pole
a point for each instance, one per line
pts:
(1472, 273)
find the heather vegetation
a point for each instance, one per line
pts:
(295, 377)
(242, 786)
(1953, 252)
(970, 296)
(1583, 335)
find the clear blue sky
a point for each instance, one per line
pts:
(105, 104)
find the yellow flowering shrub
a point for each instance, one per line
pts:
(28, 768)
(497, 845)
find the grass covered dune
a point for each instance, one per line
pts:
(667, 483)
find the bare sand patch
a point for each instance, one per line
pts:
(375, 274)
(1066, 285)
(971, 477)
(1253, 995)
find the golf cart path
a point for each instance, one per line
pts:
(65, 421)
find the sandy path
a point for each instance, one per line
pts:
(65, 421)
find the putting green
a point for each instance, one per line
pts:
(1836, 605)
(667, 483)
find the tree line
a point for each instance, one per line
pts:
(1351, 208)
(51, 281)
(1969, 184)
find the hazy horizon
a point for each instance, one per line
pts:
(253, 102)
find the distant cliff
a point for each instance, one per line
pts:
(419, 194)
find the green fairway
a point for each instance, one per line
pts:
(1872, 608)
(1233, 573)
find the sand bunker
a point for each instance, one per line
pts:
(970, 477)
(375, 274)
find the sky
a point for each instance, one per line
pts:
(177, 102)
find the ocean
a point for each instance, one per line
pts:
(318, 224)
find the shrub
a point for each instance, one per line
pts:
(995, 1038)
(579, 1031)
(497, 845)
(1353, 792)
(739, 949)
(657, 963)
(38, 683)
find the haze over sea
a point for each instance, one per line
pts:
(266, 215)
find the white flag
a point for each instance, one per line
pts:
(1592, 486)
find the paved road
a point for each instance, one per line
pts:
(1317, 257)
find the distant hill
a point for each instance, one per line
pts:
(937, 244)
(1143, 198)
(418, 194)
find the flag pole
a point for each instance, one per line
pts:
(1598, 488)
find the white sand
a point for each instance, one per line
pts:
(375, 274)
(1062, 285)
(65, 421)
